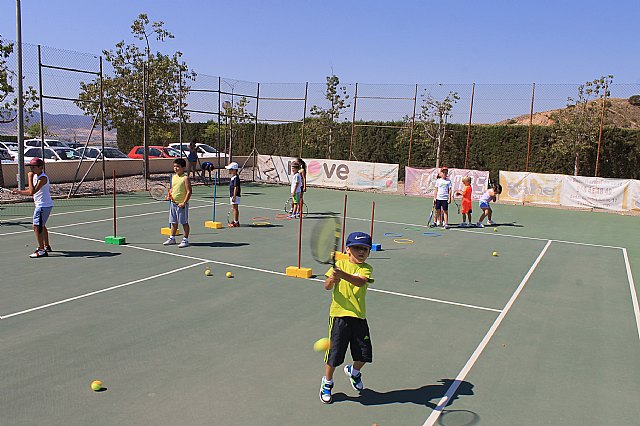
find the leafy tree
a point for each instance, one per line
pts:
(433, 119)
(33, 131)
(577, 127)
(124, 89)
(326, 124)
(8, 98)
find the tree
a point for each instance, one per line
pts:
(33, 131)
(576, 128)
(124, 94)
(233, 115)
(434, 117)
(8, 98)
(326, 124)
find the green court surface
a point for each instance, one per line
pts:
(546, 332)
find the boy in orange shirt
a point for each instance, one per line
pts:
(466, 202)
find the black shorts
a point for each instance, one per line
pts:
(208, 166)
(442, 204)
(348, 331)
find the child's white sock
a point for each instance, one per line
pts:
(354, 372)
(330, 382)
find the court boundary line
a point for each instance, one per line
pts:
(437, 411)
(632, 289)
(92, 293)
(202, 261)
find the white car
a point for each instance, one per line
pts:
(203, 150)
(47, 142)
(12, 147)
(92, 152)
(53, 153)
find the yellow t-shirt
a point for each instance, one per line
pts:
(348, 300)
(178, 188)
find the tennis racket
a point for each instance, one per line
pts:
(5, 190)
(159, 192)
(456, 203)
(433, 210)
(325, 237)
(229, 217)
(288, 207)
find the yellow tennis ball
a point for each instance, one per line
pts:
(229, 275)
(322, 345)
(495, 229)
(208, 272)
(96, 385)
(495, 253)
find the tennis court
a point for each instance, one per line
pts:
(546, 332)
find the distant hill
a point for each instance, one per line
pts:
(66, 127)
(620, 113)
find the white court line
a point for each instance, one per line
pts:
(82, 296)
(433, 418)
(632, 288)
(203, 261)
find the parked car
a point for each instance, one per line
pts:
(137, 152)
(203, 149)
(47, 142)
(6, 156)
(94, 152)
(12, 147)
(53, 153)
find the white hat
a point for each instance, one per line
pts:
(232, 166)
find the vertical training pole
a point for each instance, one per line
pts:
(344, 219)
(300, 232)
(533, 92)
(373, 211)
(604, 103)
(115, 230)
(215, 187)
(353, 122)
(466, 151)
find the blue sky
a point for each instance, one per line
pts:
(491, 41)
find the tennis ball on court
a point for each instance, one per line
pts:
(321, 345)
(229, 275)
(96, 385)
(495, 253)
(495, 229)
(208, 272)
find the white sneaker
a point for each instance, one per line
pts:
(356, 381)
(463, 225)
(490, 222)
(184, 243)
(479, 225)
(170, 241)
(446, 226)
(325, 391)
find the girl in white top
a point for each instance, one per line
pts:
(39, 189)
(485, 199)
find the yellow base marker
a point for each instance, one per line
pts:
(213, 225)
(294, 271)
(167, 231)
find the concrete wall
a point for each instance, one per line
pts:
(64, 171)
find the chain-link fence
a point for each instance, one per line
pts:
(408, 124)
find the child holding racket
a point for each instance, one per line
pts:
(39, 189)
(234, 193)
(466, 202)
(296, 190)
(179, 206)
(347, 316)
(485, 199)
(442, 198)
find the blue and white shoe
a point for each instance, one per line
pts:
(325, 391)
(356, 381)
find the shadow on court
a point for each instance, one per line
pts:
(428, 395)
(85, 254)
(218, 244)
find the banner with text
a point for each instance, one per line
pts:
(421, 182)
(570, 191)
(332, 173)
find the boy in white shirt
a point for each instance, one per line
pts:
(442, 198)
(296, 191)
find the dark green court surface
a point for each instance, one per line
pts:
(546, 332)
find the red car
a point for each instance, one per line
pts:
(155, 151)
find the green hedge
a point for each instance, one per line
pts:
(492, 147)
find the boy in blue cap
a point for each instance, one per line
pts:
(347, 316)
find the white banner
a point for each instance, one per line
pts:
(570, 191)
(421, 182)
(355, 175)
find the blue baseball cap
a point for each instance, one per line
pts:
(359, 239)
